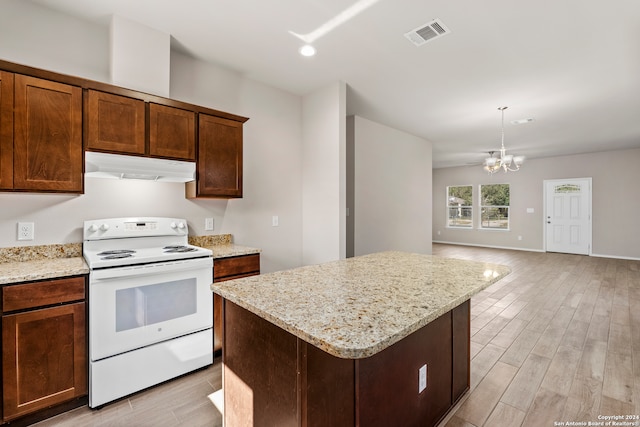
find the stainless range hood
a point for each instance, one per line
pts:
(117, 166)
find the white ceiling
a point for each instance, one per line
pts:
(572, 65)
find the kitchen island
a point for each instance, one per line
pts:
(375, 340)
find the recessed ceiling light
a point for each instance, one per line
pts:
(307, 50)
(521, 121)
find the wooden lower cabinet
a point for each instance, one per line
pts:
(44, 346)
(271, 377)
(228, 269)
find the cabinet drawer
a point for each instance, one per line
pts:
(235, 266)
(38, 294)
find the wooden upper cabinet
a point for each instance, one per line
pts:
(219, 164)
(172, 132)
(48, 119)
(6, 130)
(47, 136)
(115, 123)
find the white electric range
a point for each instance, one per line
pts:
(150, 304)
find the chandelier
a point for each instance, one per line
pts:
(507, 162)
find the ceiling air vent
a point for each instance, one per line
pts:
(427, 32)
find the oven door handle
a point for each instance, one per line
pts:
(150, 269)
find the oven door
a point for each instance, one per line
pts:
(132, 307)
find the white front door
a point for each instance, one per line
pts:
(568, 215)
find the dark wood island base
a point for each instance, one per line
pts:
(273, 378)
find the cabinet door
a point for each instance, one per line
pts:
(228, 269)
(217, 322)
(219, 167)
(47, 136)
(461, 333)
(44, 358)
(172, 132)
(6, 130)
(115, 123)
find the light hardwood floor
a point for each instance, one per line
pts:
(183, 402)
(557, 340)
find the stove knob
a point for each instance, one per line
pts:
(93, 228)
(181, 225)
(173, 225)
(104, 227)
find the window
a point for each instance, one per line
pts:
(459, 206)
(494, 206)
(567, 188)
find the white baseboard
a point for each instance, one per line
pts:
(530, 250)
(615, 257)
(487, 246)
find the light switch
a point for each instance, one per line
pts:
(530, 210)
(275, 221)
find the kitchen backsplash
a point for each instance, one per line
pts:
(31, 253)
(204, 241)
(70, 250)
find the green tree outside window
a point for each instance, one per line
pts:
(494, 206)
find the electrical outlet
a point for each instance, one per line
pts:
(275, 221)
(25, 230)
(208, 223)
(422, 378)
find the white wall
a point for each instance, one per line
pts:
(294, 157)
(42, 38)
(391, 190)
(615, 229)
(37, 37)
(272, 175)
(323, 176)
(140, 57)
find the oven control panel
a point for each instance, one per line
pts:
(142, 226)
(114, 228)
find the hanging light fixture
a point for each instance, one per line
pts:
(507, 162)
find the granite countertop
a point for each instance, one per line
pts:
(27, 263)
(357, 307)
(230, 250)
(222, 246)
